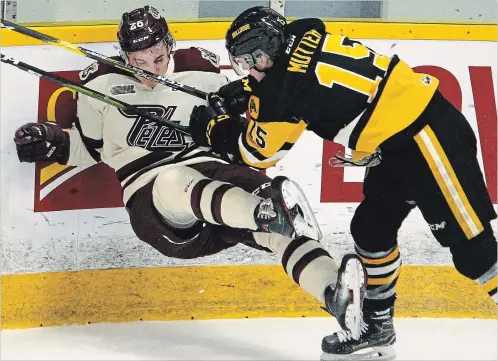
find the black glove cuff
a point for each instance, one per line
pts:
(64, 150)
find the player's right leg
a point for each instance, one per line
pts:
(374, 228)
(305, 260)
(452, 194)
(309, 265)
(182, 195)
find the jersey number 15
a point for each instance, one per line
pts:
(329, 74)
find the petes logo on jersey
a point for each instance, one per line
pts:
(146, 133)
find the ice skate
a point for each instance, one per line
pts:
(375, 342)
(287, 212)
(345, 301)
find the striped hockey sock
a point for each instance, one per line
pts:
(488, 281)
(383, 270)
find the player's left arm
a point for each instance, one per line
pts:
(259, 144)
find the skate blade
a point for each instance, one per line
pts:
(306, 225)
(355, 280)
(381, 353)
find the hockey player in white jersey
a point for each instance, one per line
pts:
(182, 199)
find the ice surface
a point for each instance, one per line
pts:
(245, 339)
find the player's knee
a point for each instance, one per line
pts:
(376, 222)
(364, 226)
(170, 193)
(359, 223)
(177, 181)
(176, 178)
(474, 257)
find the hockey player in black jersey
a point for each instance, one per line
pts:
(184, 200)
(420, 150)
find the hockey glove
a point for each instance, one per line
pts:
(42, 142)
(212, 126)
(236, 95)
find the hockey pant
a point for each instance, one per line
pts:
(436, 170)
(211, 205)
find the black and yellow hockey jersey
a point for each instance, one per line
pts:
(334, 86)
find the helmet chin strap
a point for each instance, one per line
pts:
(260, 70)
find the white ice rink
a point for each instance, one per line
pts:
(246, 339)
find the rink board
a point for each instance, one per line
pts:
(212, 292)
(68, 253)
(217, 30)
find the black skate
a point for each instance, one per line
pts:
(287, 212)
(375, 343)
(345, 301)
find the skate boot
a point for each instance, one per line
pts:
(375, 343)
(345, 301)
(287, 212)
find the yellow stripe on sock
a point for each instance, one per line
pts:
(379, 261)
(490, 285)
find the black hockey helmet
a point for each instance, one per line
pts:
(142, 28)
(257, 31)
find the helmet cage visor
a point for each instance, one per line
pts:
(244, 62)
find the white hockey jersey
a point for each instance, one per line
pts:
(134, 146)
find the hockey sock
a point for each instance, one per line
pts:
(488, 281)
(224, 204)
(304, 260)
(383, 271)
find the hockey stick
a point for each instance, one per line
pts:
(102, 58)
(91, 93)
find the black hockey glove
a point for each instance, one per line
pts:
(212, 126)
(236, 95)
(42, 142)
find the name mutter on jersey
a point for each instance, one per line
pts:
(336, 87)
